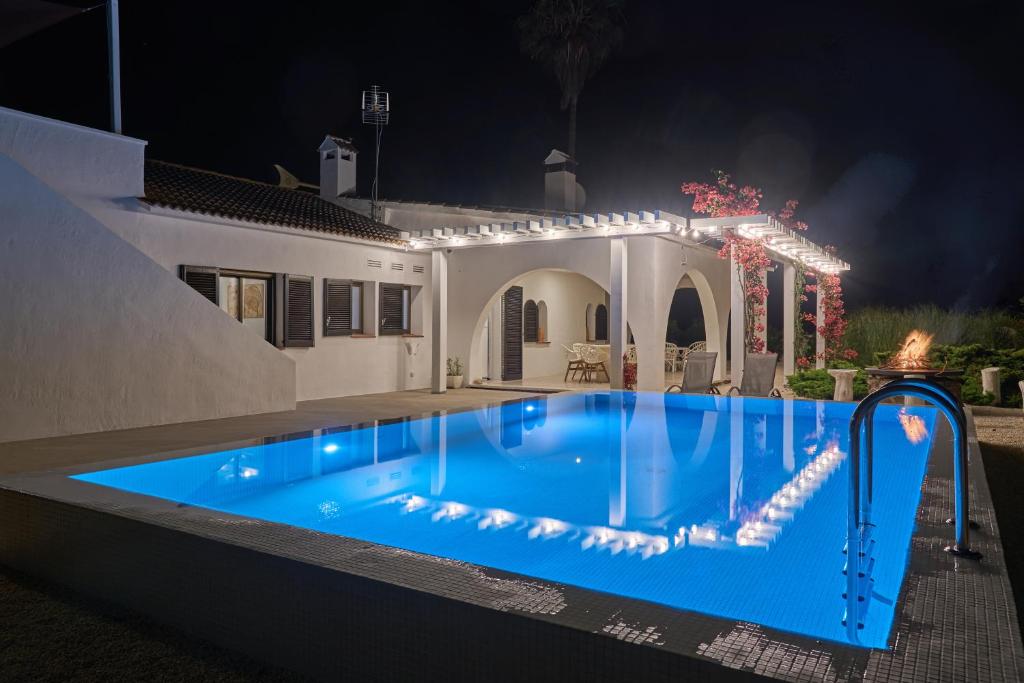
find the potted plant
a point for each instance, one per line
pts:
(454, 373)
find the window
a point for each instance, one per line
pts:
(531, 319)
(297, 321)
(343, 307)
(245, 296)
(394, 309)
(601, 323)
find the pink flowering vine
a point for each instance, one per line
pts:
(724, 198)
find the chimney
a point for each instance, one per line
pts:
(337, 167)
(561, 191)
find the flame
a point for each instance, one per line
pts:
(913, 426)
(914, 353)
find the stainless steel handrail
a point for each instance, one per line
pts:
(860, 501)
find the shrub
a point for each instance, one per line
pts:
(973, 358)
(879, 331)
(818, 384)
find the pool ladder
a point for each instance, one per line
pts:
(859, 544)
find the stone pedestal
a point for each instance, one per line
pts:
(990, 384)
(844, 384)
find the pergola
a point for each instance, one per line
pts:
(784, 245)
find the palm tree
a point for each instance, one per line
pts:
(573, 38)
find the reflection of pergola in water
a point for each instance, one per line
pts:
(638, 259)
(621, 532)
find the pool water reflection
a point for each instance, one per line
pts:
(727, 506)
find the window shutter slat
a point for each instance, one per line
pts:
(337, 308)
(531, 316)
(203, 280)
(512, 338)
(298, 310)
(392, 310)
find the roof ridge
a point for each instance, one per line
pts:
(217, 173)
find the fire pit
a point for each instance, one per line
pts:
(912, 361)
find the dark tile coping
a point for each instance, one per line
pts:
(330, 606)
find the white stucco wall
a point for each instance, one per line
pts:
(335, 366)
(96, 336)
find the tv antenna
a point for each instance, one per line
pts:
(376, 113)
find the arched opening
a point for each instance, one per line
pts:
(601, 323)
(692, 324)
(549, 325)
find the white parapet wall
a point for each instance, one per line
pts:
(97, 336)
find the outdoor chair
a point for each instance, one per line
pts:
(593, 361)
(574, 362)
(758, 376)
(671, 356)
(698, 374)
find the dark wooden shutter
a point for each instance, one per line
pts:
(601, 323)
(512, 336)
(203, 280)
(337, 308)
(391, 309)
(298, 310)
(531, 318)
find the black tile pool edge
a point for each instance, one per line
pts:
(334, 607)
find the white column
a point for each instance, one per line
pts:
(762, 319)
(439, 321)
(736, 323)
(819, 341)
(494, 340)
(618, 276)
(789, 314)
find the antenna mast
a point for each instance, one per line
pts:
(376, 113)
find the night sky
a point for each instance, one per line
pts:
(898, 126)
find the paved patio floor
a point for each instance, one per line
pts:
(65, 451)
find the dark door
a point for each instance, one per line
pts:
(512, 334)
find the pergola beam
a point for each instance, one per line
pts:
(784, 243)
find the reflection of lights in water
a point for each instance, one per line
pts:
(329, 509)
(578, 460)
(766, 525)
(247, 472)
(530, 409)
(543, 528)
(451, 511)
(913, 426)
(414, 503)
(331, 448)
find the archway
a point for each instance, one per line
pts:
(694, 299)
(561, 307)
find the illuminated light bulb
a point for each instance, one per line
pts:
(578, 460)
(530, 409)
(331, 448)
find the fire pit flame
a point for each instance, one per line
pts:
(914, 353)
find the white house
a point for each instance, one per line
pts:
(138, 292)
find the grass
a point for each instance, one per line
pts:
(882, 330)
(49, 634)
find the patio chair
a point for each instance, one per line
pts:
(671, 356)
(593, 361)
(698, 374)
(574, 362)
(758, 376)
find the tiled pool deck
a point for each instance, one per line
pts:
(330, 606)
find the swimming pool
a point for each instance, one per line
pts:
(730, 507)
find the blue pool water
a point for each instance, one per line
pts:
(730, 507)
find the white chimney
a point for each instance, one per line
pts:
(337, 167)
(561, 191)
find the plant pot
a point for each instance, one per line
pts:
(454, 381)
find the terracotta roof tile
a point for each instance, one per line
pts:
(214, 194)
